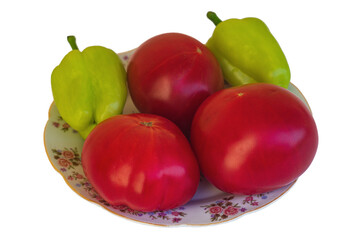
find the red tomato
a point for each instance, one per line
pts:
(171, 75)
(254, 138)
(142, 161)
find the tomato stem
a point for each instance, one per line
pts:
(147, 124)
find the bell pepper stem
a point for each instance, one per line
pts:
(72, 41)
(213, 17)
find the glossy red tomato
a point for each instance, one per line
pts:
(142, 161)
(254, 138)
(171, 75)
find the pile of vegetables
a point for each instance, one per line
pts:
(252, 137)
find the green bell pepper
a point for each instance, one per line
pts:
(247, 52)
(89, 86)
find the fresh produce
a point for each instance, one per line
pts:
(142, 161)
(89, 86)
(170, 75)
(253, 138)
(248, 52)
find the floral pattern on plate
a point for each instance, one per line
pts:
(225, 208)
(63, 146)
(62, 125)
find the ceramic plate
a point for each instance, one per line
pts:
(209, 205)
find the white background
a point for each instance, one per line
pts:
(321, 42)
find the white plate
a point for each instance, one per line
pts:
(209, 205)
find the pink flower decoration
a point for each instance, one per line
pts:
(68, 154)
(231, 210)
(63, 162)
(175, 213)
(79, 176)
(249, 199)
(176, 220)
(215, 210)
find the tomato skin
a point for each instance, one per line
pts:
(147, 168)
(254, 138)
(171, 75)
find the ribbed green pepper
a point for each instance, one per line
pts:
(89, 86)
(248, 52)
